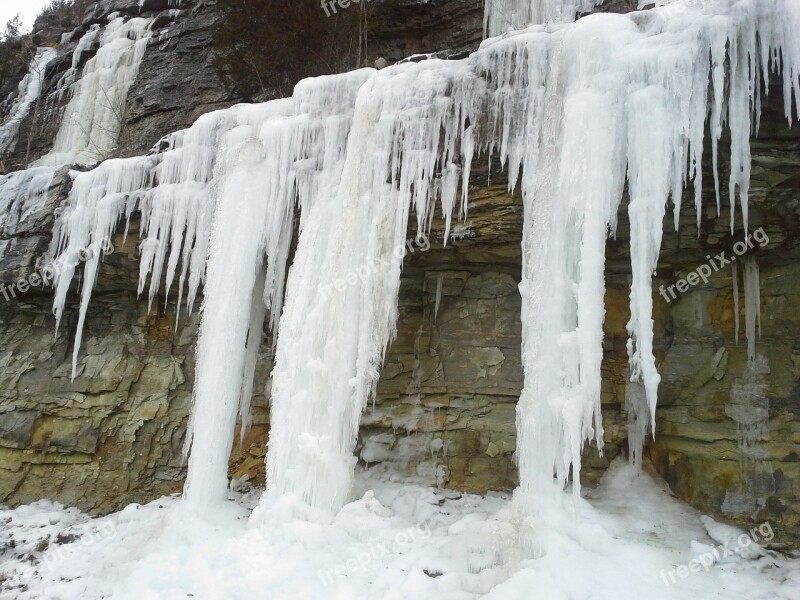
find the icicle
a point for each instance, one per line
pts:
(27, 95)
(341, 300)
(438, 301)
(752, 305)
(735, 281)
(639, 420)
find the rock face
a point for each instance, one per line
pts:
(728, 432)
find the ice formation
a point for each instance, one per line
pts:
(409, 136)
(21, 194)
(735, 283)
(752, 305)
(27, 96)
(501, 16)
(573, 111)
(92, 119)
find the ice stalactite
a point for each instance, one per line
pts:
(639, 418)
(27, 96)
(573, 112)
(501, 16)
(171, 3)
(438, 295)
(752, 305)
(92, 119)
(735, 283)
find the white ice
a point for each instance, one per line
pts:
(92, 119)
(752, 305)
(501, 16)
(28, 93)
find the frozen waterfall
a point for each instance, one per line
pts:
(575, 112)
(92, 119)
(27, 96)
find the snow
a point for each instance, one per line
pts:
(27, 95)
(574, 111)
(395, 541)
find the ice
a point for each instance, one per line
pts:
(575, 112)
(752, 305)
(735, 284)
(171, 3)
(295, 151)
(501, 16)
(27, 96)
(22, 193)
(66, 81)
(92, 119)
(407, 127)
(639, 420)
(438, 294)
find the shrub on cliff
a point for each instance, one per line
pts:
(263, 47)
(66, 13)
(16, 51)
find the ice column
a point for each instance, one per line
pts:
(341, 301)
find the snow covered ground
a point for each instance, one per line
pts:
(627, 539)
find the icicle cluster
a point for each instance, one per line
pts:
(573, 111)
(501, 16)
(27, 95)
(92, 119)
(409, 146)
